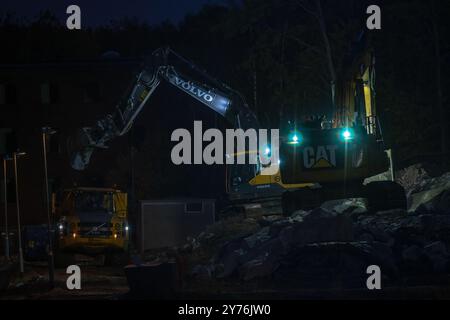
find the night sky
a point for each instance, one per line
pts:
(103, 11)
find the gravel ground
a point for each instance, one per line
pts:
(109, 283)
(96, 283)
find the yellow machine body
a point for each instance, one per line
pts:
(92, 220)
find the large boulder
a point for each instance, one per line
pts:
(437, 227)
(432, 201)
(352, 207)
(382, 226)
(257, 238)
(397, 227)
(414, 261)
(230, 256)
(412, 177)
(412, 254)
(261, 267)
(204, 272)
(437, 253)
(318, 225)
(254, 255)
(431, 196)
(334, 264)
(432, 258)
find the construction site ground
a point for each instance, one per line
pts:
(109, 283)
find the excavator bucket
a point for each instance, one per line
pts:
(79, 150)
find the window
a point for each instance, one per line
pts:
(91, 93)
(194, 207)
(54, 143)
(94, 202)
(11, 190)
(2, 191)
(8, 94)
(8, 141)
(2, 94)
(49, 93)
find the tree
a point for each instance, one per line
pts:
(439, 97)
(317, 13)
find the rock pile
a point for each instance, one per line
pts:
(333, 245)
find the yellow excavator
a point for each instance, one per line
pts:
(338, 155)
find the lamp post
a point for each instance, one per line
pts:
(19, 231)
(5, 186)
(46, 131)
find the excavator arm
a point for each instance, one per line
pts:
(219, 97)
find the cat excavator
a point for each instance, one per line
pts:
(339, 155)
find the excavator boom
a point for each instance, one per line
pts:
(223, 100)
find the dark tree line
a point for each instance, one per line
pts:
(283, 55)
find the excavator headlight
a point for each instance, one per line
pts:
(265, 155)
(347, 134)
(295, 138)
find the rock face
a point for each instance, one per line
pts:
(334, 244)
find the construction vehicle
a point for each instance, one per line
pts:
(338, 155)
(315, 163)
(244, 182)
(92, 221)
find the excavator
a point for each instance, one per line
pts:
(243, 182)
(339, 155)
(317, 163)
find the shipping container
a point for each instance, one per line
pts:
(168, 223)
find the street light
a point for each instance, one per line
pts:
(19, 231)
(47, 131)
(5, 186)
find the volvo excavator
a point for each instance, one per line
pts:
(244, 182)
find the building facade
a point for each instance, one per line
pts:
(65, 96)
